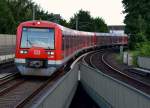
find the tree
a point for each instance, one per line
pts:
(83, 18)
(7, 21)
(137, 20)
(99, 25)
(85, 22)
(22, 9)
(14, 12)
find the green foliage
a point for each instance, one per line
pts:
(83, 18)
(137, 21)
(99, 25)
(13, 12)
(144, 48)
(118, 57)
(87, 23)
(7, 21)
(135, 55)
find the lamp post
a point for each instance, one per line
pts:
(76, 22)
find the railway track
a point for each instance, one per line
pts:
(7, 70)
(18, 91)
(98, 60)
(7, 82)
(7, 76)
(6, 64)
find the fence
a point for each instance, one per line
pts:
(144, 62)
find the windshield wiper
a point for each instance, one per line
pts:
(29, 42)
(48, 47)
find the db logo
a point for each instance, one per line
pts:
(37, 52)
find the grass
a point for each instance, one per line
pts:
(118, 57)
(134, 55)
(142, 49)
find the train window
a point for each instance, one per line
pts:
(63, 42)
(38, 37)
(67, 41)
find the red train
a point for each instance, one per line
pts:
(42, 46)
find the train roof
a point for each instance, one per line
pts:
(68, 31)
(65, 30)
(39, 23)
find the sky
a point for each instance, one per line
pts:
(109, 10)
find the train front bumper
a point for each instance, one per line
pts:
(51, 67)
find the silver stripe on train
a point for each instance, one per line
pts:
(49, 61)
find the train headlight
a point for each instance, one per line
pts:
(50, 53)
(23, 52)
(38, 22)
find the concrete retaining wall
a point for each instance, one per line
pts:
(7, 40)
(111, 93)
(144, 62)
(7, 44)
(7, 47)
(61, 93)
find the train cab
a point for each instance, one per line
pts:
(36, 48)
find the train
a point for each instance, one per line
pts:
(42, 47)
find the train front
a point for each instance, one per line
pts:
(36, 48)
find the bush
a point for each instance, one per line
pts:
(135, 55)
(142, 49)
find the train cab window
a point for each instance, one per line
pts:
(38, 37)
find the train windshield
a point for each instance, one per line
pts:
(38, 37)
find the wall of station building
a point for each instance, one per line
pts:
(7, 44)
